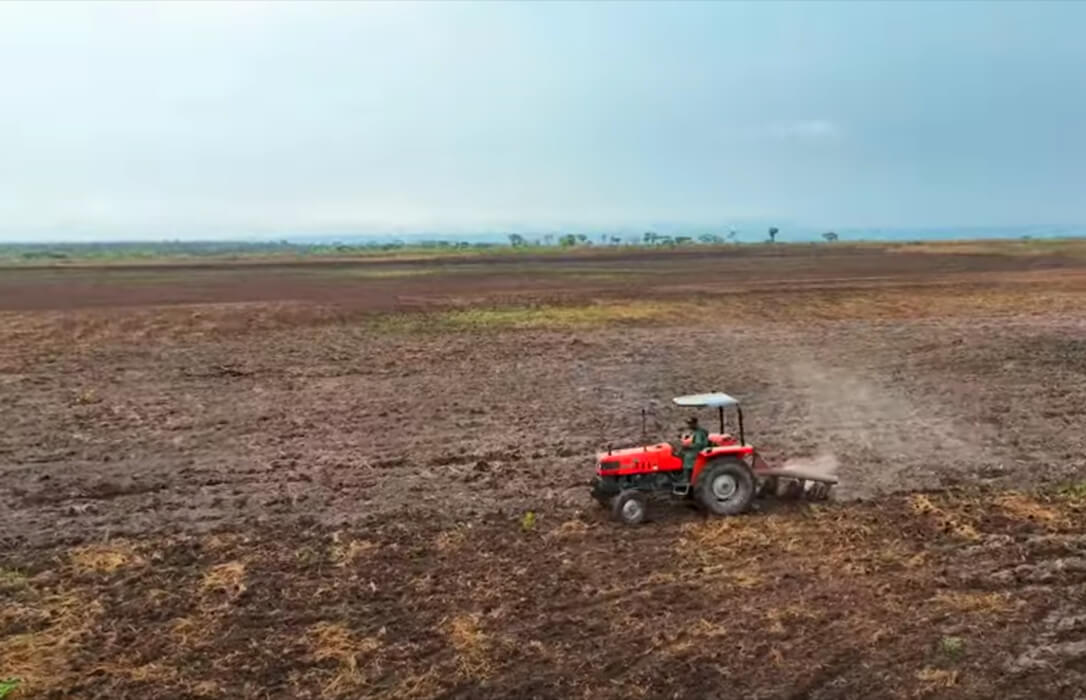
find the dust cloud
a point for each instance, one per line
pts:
(871, 435)
(825, 464)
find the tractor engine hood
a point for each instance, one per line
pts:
(627, 454)
(638, 459)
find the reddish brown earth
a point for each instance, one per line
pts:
(396, 284)
(311, 481)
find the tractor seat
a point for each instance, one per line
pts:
(721, 439)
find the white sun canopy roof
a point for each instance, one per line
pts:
(713, 400)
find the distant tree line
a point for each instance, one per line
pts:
(648, 238)
(49, 252)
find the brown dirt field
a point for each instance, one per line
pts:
(310, 481)
(398, 284)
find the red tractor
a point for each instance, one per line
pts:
(726, 477)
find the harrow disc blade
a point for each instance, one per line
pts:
(800, 489)
(793, 489)
(770, 488)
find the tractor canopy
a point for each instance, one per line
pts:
(714, 400)
(717, 400)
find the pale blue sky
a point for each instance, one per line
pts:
(211, 119)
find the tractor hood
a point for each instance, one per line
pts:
(658, 456)
(626, 453)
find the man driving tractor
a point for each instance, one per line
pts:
(693, 442)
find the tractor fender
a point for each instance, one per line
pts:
(740, 452)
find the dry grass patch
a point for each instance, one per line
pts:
(328, 641)
(681, 641)
(220, 541)
(11, 580)
(472, 645)
(145, 673)
(674, 642)
(223, 584)
(713, 539)
(542, 317)
(427, 684)
(969, 601)
(206, 689)
(934, 679)
(889, 552)
(798, 534)
(40, 658)
(709, 630)
(105, 558)
(570, 529)
(450, 540)
(386, 273)
(780, 619)
(742, 578)
(948, 522)
(346, 552)
(1022, 507)
(188, 631)
(1069, 247)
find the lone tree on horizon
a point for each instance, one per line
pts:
(830, 236)
(773, 231)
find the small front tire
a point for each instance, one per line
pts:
(630, 507)
(600, 492)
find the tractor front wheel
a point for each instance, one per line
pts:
(725, 487)
(599, 493)
(630, 507)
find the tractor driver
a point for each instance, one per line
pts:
(694, 441)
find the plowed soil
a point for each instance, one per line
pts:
(368, 478)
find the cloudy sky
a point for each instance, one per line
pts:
(214, 119)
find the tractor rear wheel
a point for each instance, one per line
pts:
(630, 507)
(725, 487)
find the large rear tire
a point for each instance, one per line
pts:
(725, 487)
(630, 507)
